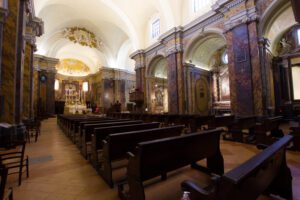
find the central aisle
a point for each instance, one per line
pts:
(58, 171)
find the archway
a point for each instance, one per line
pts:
(157, 85)
(208, 55)
(280, 60)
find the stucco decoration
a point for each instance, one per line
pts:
(72, 67)
(82, 36)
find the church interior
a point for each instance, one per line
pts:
(151, 99)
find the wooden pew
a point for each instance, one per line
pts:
(237, 129)
(267, 131)
(156, 158)
(76, 123)
(221, 121)
(89, 129)
(77, 135)
(265, 173)
(115, 146)
(101, 133)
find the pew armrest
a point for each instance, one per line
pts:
(130, 155)
(104, 142)
(196, 191)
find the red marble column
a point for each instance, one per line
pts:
(240, 71)
(173, 99)
(259, 92)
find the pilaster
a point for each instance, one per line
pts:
(140, 69)
(176, 90)
(46, 78)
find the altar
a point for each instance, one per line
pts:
(75, 109)
(74, 100)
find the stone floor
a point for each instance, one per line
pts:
(58, 171)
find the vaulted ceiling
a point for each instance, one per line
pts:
(122, 26)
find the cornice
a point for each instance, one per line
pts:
(216, 15)
(136, 53)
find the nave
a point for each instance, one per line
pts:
(59, 171)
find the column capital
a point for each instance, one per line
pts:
(244, 17)
(140, 59)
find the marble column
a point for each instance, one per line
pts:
(27, 77)
(45, 67)
(240, 70)
(176, 90)
(173, 82)
(3, 15)
(188, 100)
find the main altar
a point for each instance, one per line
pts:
(74, 101)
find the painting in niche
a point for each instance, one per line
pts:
(159, 97)
(224, 85)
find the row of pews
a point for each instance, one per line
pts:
(153, 146)
(248, 129)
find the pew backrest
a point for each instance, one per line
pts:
(117, 145)
(101, 133)
(265, 173)
(254, 177)
(153, 158)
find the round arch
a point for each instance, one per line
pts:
(157, 85)
(200, 50)
(275, 21)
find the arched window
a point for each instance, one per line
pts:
(225, 58)
(155, 28)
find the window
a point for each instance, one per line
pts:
(56, 85)
(85, 86)
(196, 5)
(155, 28)
(298, 36)
(225, 58)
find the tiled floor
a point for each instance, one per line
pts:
(59, 172)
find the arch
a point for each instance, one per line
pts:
(275, 21)
(201, 48)
(152, 66)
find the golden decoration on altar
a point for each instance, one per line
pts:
(72, 67)
(82, 36)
